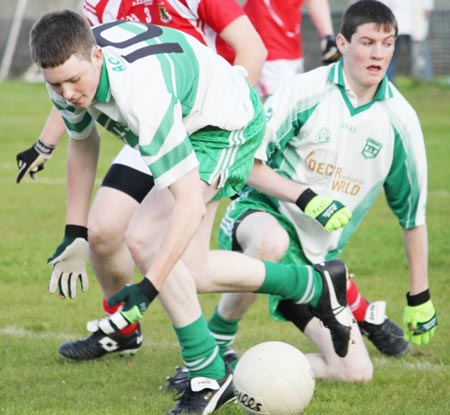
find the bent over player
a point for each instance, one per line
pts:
(226, 30)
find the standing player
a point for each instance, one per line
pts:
(225, 29)
(279, 22)
(197, 124)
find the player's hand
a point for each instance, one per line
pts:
(69, 263)
(32, 160)
(330, 52)
(331, 214)
(419, 319)
(134, 299)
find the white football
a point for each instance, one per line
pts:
(274, 378)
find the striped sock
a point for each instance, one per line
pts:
(300, 283)
(356, 302)
(200, 351)
(223, 330)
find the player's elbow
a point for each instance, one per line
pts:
(362, 372)
(258, 50)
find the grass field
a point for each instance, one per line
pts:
(34, 379)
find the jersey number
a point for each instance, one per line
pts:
(150, 33)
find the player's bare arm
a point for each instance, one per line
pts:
(185, 217)
(419, 318)
(319, 11)
(82, 160)
(250, 50)
(416, 248)
(330, 213)
(54, 129)
(70, 257)
(268, 181)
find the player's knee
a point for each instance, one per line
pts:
(363, 377)
(273, 246)
(203, 277)
(103, 237)
(361, 373)
(360, 376)
(232, 306)
(138, 244)
(134, 243)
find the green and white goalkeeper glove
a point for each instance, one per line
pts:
(69, 263)
(135, 299)
(419, 319)
(32, 160)
(331, 214)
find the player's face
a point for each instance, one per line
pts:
(76, 79)
(367, 55)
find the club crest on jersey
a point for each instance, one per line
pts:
(323, 136)
(371, 148)
(164, 14)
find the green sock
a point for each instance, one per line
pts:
(301, 283)
(200, 351)
(223, 330)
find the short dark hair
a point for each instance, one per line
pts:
(58, 35)
(367, 11)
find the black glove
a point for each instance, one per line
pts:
(32, 160)
(330, 52)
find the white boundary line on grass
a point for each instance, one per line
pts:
(419, 365)
(18, 332)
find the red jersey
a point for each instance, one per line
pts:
(203, 19)
(278, 22)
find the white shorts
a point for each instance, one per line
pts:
(130, 157)
(276, 73)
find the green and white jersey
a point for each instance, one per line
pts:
(318, 136)
(157, 87)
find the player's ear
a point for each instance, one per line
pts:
(342, 43)
(96, 56)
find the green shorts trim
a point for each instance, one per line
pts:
(226, 157)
